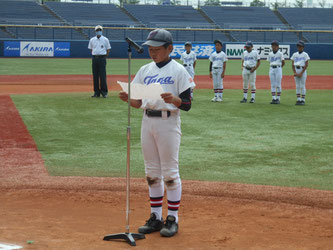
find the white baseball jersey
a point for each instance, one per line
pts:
(188, 61)
(173, 77)
(300, 58)
(250, 59)
(189, 58)
(275, 59)
(99, 46)
(218, 59)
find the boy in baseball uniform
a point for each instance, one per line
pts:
(189, 59)
(218, 62)
(299, 65)
(276, 62)
(160, 130)
(250, 63)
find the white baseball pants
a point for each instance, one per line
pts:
(217, 79)
(160, 141)
(249, 77)
(300, 82)
(190, 70)
(275, 75)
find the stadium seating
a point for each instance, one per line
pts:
(23, 12)
(308, 18)
(4, 34)
(168, 16)
(243, 17)
(264, 36)
(91, 14)
(46, 33)
(318, 37)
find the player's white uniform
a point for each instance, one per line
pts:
(218, 59)
(250, 61)
(275, 71)
(188, 62)
(160, 136)
(299, 62)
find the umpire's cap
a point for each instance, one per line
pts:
(275, 42)
(98, 27)
(188, 43)
(158, 38)
(217, 41)
(300, 43)
(248, 44)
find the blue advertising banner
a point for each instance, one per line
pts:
(36, 49)
(62, 49)
(203, 50)
(11, 48)
(79, 49)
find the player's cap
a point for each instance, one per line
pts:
(217, 41)
(248, 44)
(98, 27)
(158, 38)
(275, 42)
(300, 43)
(188, 43)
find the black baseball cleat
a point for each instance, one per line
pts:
(252, 100)
(95, 96)
(298, 103)
(273, 101)
(152, 225)
(277, 101)
(244, 100)
(105, 96)
(170, 228)
(302, 102)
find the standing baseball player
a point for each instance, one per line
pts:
(189, 59)
(218, 62)
(100, 49)
(160, 130)
(276, 62)
(299, 65)
(250, 63)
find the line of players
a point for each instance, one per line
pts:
(250, 63)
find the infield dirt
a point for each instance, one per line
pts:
(76, 212)
(27, 84)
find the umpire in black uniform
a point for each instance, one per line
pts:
(100, 48)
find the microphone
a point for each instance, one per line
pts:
(136, 46)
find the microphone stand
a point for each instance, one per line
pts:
(129, 237)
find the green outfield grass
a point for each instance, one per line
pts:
(46, 66)
(284, 145)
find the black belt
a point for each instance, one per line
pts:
(155, 113)
(299, 67)
(185, 65)
(275, 66)
(217, 67)
(99, 56)
(248, 68)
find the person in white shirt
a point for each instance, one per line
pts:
(160, 129)
(299, 65)
(218, 62)
(276, 62)
(250, 63)
(189, 59)
(100, 49)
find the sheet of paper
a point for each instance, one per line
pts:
(141, 91)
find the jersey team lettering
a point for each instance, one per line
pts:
(154, 79)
